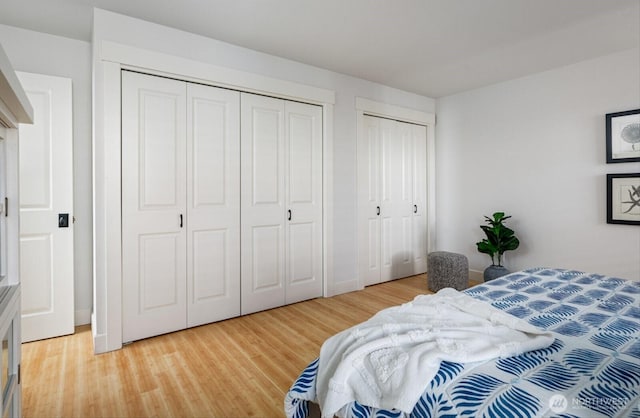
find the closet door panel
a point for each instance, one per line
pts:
(402, 197)
(391, 190)
(266, 248)
(303, 157)
(159, 255)
(386, 248)
(159, 153)
(262, 203)
(301, 254)
(153, 200)
(213, 197)
(210, 264)
(369, 224)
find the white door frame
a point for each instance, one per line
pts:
(404, 114)
(106, 319)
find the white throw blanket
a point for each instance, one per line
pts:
(388, 361)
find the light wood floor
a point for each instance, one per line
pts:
(241, 367)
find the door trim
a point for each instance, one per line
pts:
(403, 114)
(106, 319)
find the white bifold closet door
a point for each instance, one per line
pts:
(392, 227)
(281, 231)
(180, 205)
(213, 204)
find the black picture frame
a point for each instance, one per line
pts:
(623, 198)
(619, 127)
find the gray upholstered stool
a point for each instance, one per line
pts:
(445, 269)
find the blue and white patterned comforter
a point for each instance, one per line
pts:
(591, 370)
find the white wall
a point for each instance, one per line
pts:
(535, 148)
(53, 55)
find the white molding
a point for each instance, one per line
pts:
(99, 340)
(12, 190)
(431, 186)
(385, 110)
(328, 206)
(113, 203)
(404, 114)
(112, 59)
(346, 287)
(14, 104)
(107, 323)
(158, 63)
(476, 275)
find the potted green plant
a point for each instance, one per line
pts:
(500, 238)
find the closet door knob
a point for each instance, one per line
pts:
(289, 212)
(415, 208)
(378, 210)
(181, 221)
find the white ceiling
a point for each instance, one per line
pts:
(430, 47)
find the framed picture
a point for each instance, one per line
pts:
(623, 199)
(623, 136)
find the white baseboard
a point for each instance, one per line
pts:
(476, 276)
(82, 317)
(344, 287)
(99, 340)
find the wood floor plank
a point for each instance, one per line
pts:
(239, 367)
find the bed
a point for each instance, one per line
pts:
(592, 368)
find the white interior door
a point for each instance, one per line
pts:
(303, 156)
(153, 205)
(213, 200)
(401, 192)
(369, 221)
(46, 192)
(390, 205)
(262, 203)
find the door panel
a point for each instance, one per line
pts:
(46, 190)
(402, 193)
(213, 196)
(301, 253)
(265, 152)
(159, 273)
(300, 152)
(369, 221)
(36, 162)
(303, 156)
(386, 240)
(160, 149)
(391, 183)
(262, 203)
(41, 286)
(267, 270)
(153, 205)
(210, 261)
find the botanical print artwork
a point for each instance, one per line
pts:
(634, 199)
(631, 135)
(623, 136)
(623, 198)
